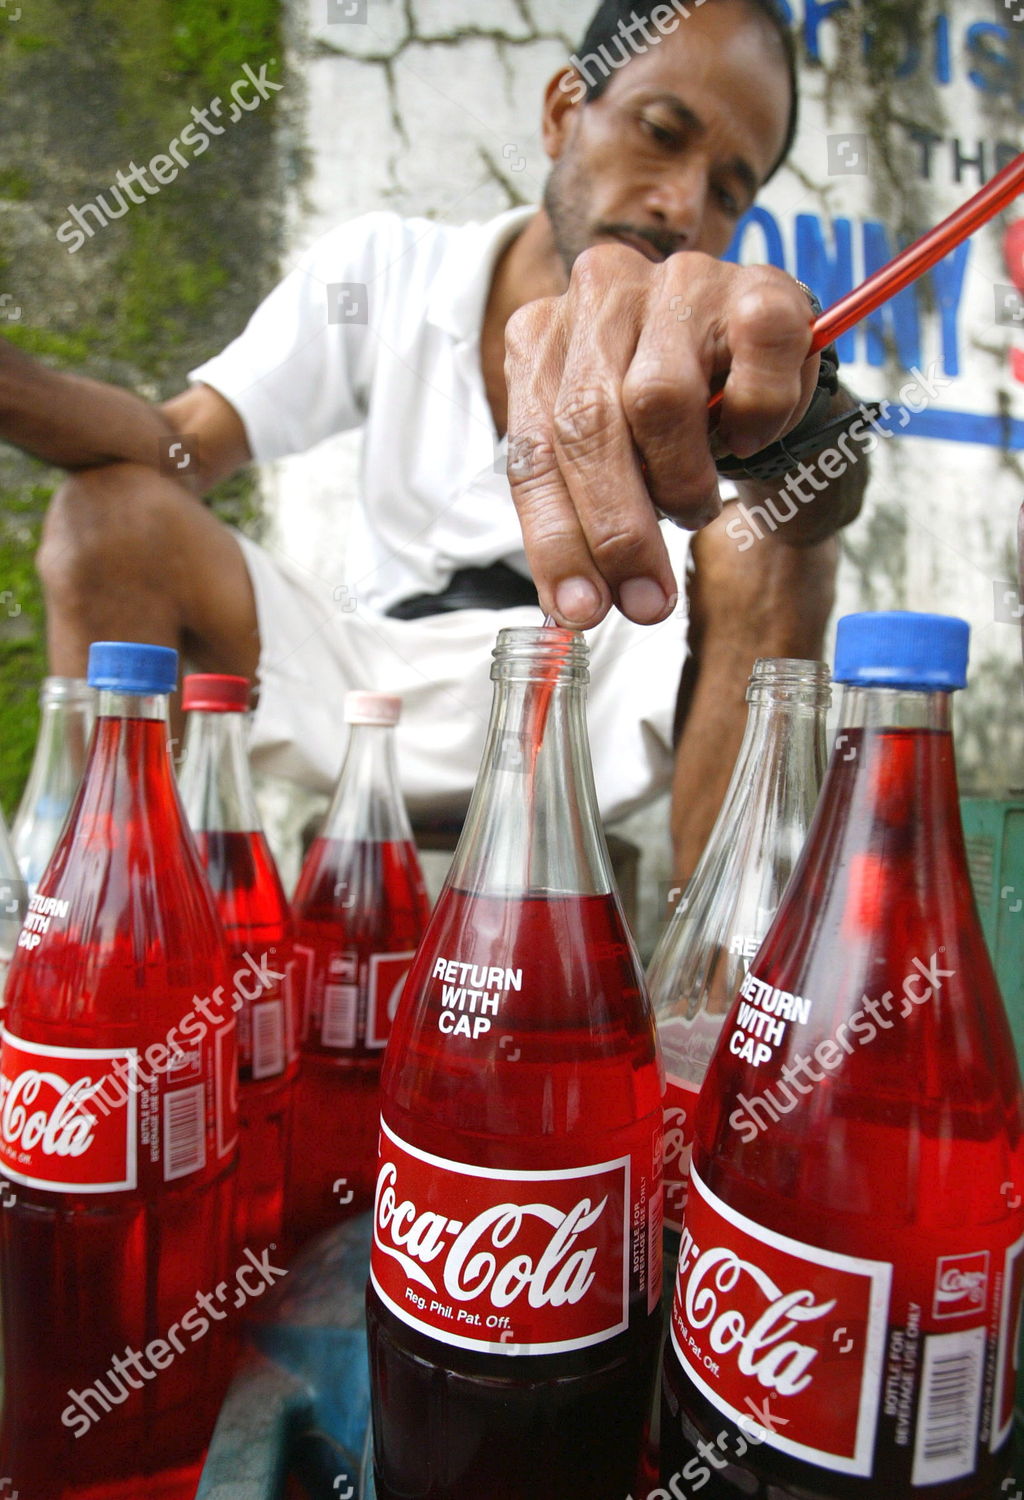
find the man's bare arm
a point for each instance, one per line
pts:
(75, 423)
(769, 600)
(824, 505)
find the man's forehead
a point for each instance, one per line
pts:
(707, 50)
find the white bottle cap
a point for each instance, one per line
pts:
(372, 708)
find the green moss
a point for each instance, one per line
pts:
(94, 86)
(15, 186)
(22, 653)
(61, 348)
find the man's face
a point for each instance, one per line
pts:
(671, 154)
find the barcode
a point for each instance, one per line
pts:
(946, 1443)
(340, 1007)
(184, 1132)
(267, 1039)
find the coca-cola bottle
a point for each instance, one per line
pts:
(360, 909)
(67, 706)
(733, 895)
(117, 1129)
(220, 804)
(852, 1256)
(514, 1305)
(13, 900)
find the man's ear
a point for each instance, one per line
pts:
(563, 98)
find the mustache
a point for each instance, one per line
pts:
(662, 240)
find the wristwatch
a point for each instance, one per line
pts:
(814, 430)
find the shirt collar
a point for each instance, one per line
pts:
(461, 287)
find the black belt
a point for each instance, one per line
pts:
(496, 587)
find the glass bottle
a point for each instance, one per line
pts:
(847, 1299)
(117, 1129)
(220, 804)
(516, 1266)
(734, 893)
(13, 902)
(360, 908)
(67, 707)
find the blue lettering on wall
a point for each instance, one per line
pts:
(990, 54)
(825, 257)
(829, 274)
(897, 321)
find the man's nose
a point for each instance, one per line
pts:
(677, 201)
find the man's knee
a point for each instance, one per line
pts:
(103, 523)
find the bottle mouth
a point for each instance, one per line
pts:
(545, 653)
(66, 690)
(790, 679)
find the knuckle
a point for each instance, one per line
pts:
(527, 326)
(650, 398)
(530, 457)
(583, 419)
(598, 265)
(616, 550)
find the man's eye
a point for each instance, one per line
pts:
(658, 132)
(728, 203)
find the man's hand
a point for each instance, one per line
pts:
(608, 390)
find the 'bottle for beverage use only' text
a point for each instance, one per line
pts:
(733, 895)
(117, 1130)
(850, 1268)
(514, 1306)
(220, 804)
(360, 910)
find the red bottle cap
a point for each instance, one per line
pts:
(215, 693)
(372, 708)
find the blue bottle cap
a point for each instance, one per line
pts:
(899, 649)
(124, 667)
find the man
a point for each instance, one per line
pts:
(617, 319)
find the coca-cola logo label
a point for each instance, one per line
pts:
(755, 1324)
(67, 1124)
(387, 979)
(507, 1261)
(680, 1106)
(961, 1285)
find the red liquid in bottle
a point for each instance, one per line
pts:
(128, 938)
(360, 910)
(565, 1077)
(257, 923)
(905, 1156)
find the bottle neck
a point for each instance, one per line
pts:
(213, 778)
(113, 705)
(879, 708)
(533, 825)
(782, 757)
(367, 805)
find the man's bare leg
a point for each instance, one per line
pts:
(771, 600)
(127, 554)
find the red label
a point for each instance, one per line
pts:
(757, 1322)
(505, 1261)
(66, 1123)
(387, 976)
(680, 1105)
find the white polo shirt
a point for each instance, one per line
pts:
(433, 494)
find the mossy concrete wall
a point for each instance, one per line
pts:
(90, 87)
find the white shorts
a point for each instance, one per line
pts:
(315, 647)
